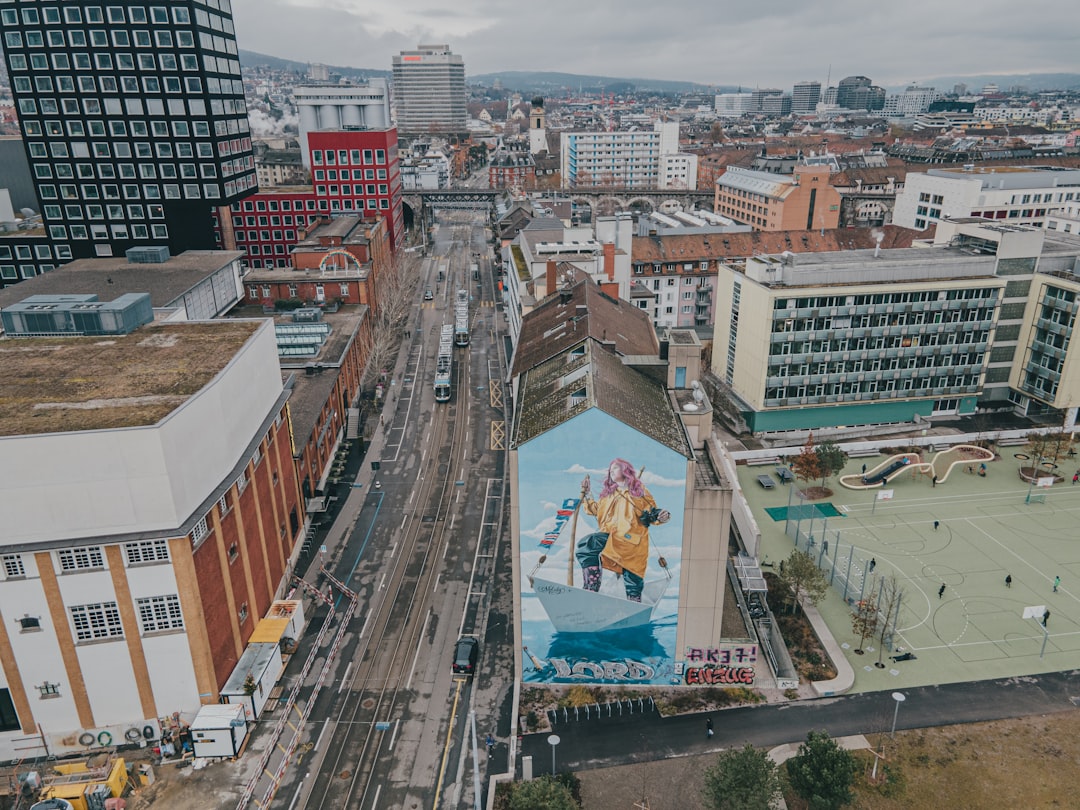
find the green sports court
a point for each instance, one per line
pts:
(987, 529)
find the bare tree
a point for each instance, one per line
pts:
(864, 621)
(395, 297)
(892, 593)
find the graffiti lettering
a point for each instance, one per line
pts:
(710, 675)
(742, 654)
(603, 670)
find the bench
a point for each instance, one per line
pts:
(864, 453)
(1017, 442)
(766, 482)
(761, 462)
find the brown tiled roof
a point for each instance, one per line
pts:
(729, 246)
(554, 326)
(545, 401)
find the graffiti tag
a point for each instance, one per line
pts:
(741, 654)
(603, 670)
(710, 675)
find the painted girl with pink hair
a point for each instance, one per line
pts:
(624, 511)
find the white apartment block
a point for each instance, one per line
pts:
(734, 105)
(678, 171)
(913, 101)
(1018, 195)
(1018, 115)
(624, 159)
(1066, 219)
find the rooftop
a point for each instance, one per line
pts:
(56, 385)
(110, 277)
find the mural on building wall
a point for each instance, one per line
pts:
(601, 542)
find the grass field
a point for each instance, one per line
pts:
(1030, 762)
(985, 530)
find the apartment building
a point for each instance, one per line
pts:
(802, 200)
(1019, 195)
(625, 159)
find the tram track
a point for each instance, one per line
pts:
(398, 621)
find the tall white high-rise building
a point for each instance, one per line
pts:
(638, 159)
(429, 91)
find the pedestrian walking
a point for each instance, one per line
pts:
(490, 743)
(1076, 477)
(936, 524)
(864, 469)
(941, 590)
(708, 729)
(873, 564)
(1046, 615)
(1057, 581)
(1008, 580)
(934, 480)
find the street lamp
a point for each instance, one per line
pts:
(553, 740)
(899, 698)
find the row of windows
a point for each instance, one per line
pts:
(267, 236)
(139, 15)
(357, 174)
(348, 156)
(24, 252)
(89, 558)
(122, 129)
(131, 191)
(272, 205)
(265, 291)
(125, 171)
(276, 221)
(102, 232)
(347, 190)
(347, 204)
(807, 394)
(922, 296)
(101, 620)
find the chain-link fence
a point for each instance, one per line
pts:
(852, 571)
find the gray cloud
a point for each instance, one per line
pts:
(765, 44)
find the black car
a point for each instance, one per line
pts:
(465, 653)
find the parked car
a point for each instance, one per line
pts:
(465, 654)
(428, 294)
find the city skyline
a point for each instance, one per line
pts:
(924, 40)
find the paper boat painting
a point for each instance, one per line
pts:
(576, 610)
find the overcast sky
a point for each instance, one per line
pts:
(769, 43)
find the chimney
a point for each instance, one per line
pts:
(552, 280)
(609, 260)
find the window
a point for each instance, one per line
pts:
(74, 559)
(29, 624)
(200, 530)
(9, 720)
(243, 614)
(49, 690)
(157, 613)
(96, 621)
(146, 551)
(13, 566)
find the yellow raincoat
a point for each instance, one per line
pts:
(618, 516)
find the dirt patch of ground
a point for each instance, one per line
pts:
(815, 493)
(805, 648)
(1031, 762)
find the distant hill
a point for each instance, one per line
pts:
(250, 59)
(550, 83)
(1032, 81)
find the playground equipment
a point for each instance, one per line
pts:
(901, 462)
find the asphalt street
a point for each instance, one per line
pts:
(603, 741)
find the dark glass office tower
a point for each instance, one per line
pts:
(133, 118)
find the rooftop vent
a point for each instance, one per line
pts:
(147, 255)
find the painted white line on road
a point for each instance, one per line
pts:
(436, 587)
(345, 679)
(381, 584)
(364, 628)
(403, 519)
(325, 728)
(375, 801)
(393, 737)
(393, 551)
(416, 655)
(296, 796)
